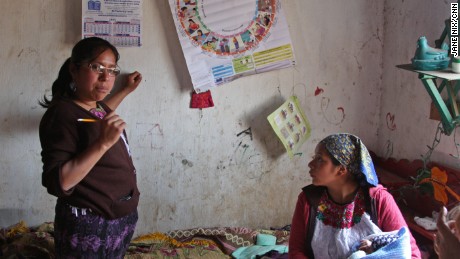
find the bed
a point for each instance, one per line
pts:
(22, 241)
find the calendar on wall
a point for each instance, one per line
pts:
(117, 21)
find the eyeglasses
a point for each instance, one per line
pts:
(113, 71)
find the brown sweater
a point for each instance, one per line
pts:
(110, 187)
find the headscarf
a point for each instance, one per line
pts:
(350, 151)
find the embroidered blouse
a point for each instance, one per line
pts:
(354, 223)
(339, 226)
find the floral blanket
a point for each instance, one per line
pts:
(21, 241)
(199, 242)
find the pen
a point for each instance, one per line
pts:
(87, 120)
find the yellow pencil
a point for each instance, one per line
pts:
(87, 120)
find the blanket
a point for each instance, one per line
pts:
(22, 241)
(398, 249)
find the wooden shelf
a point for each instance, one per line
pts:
(409, 217)
(394, 173)
(390, 179)
(386, 177)
(448, 109)
(443, 74)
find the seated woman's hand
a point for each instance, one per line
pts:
(446, 244)
(366, 246)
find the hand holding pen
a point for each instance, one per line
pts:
(112, 127)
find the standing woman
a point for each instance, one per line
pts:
(86, 158)
(343, 204)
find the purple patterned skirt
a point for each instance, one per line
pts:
(80, 233)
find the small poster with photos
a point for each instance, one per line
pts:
(291, 125)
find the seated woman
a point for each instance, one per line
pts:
(343, 204)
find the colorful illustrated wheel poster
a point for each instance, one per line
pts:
(226, 39)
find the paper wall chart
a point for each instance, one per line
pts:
(226, 39)
(290, 125)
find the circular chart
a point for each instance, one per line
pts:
(210, 26)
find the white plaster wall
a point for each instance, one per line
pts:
(410, 131)
(193, 169)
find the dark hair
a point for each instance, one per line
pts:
(85, 51)
(358, 176)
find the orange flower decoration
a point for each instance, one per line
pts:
(439, 181)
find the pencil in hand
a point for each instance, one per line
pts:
(86, 120)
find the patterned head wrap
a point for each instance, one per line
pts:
(350, 151)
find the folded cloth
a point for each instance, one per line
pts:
(250, 252)
(426, 222)
(265, 243)
(201, 100)
(398, 249)
(265, 240)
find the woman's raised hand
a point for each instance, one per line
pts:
(133, 80)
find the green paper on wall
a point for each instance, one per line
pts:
(290, 125)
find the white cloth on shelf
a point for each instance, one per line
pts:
(427, 223)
